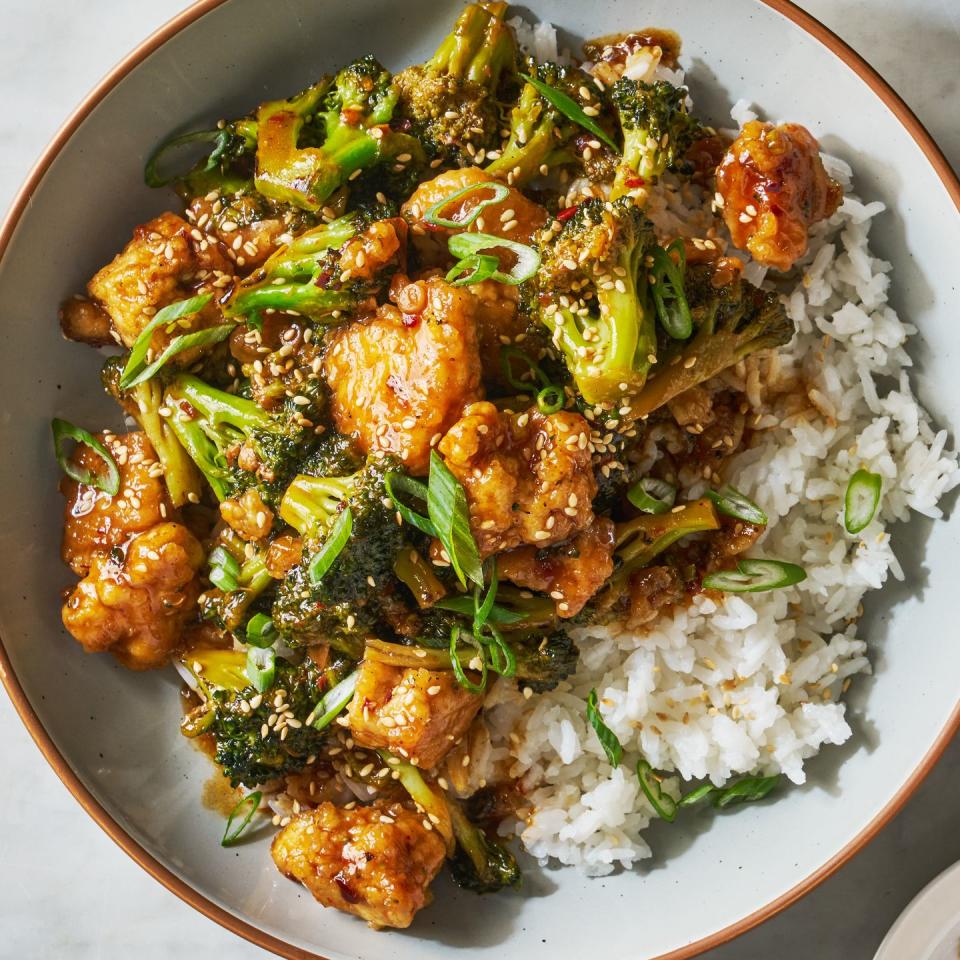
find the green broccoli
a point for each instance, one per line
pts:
(541, 137)
(730, 322)
(345, 604)
(247, 756)
(478, 862)
(311, 145)
(593, 299)
(143, 403)
(657, 131)
(452, 102)
(236, 443)
(305, 277)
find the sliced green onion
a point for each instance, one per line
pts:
(570, 109)
(608, 739)
(466, 606)
(335, 541)
(480, 266)
(651, 495)
(469, 244)
(861, 500)
(432, 216)
(223, 580)
(484, 608)
(745, 791)
(663, 803)
(260, 631)
(241, 814)
(551, 399)
(669, 297)
(458, 670)
(733, 503)
(261, 667)
(220, 138)
(755, 576)
(138, 352)
(509, 354)
(333, 702)
(502, 658)
(221, 557)
(450, 516)
(395, 482)
(696, 795)
(63, 430)
(186, 341)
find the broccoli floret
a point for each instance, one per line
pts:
(246, 756)
(226, 168)
(343, 607)
(657, 131)
(335, 455)
(305, 276)
(143, 403)
(730, 322)
(480, 863)
(308, 147)
(453, 99)
(540, 135)
(593, 299)
(236, 443)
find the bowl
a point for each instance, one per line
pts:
(111, 735)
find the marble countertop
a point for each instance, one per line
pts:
(67, 891)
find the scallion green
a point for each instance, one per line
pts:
(463, 245)
(570, 109)
(651, 495)
(63, 430)
(432, 216)
(755, 576)
(608, 739)
(730, 501)
(861, 500)
(335, 541)
(241, 815)
(662, 802)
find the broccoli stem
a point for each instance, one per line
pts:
(480, 46)
(418, 576)
(641, 540)
(303, 297)
(179, 472)
(531, 139)
(428, 798)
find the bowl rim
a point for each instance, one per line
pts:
(951, 182)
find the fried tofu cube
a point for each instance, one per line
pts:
(416, 713)
(163, 263)
(95, 522)
(376, 862)
(402, 377)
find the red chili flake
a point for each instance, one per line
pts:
(324, 278)
(566, 214)
(188, 409)
(635, 181)
(410, 319)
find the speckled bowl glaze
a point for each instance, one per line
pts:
(111, 735)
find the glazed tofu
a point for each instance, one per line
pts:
(404, 376)
(136, 600)
(415, 713)
(161, 264)
(375, 862)
(95, 522)
(513, 218)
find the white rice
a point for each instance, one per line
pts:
(752, 685)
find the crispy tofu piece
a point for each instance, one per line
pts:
(404, 376)
(416, 713)
(571, 572)
(136, 600)
(774, 188)
(375, 862)
(163, 263)
(524, 220)
(528, 478)
(95, 522)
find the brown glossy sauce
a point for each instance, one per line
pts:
(616, 47)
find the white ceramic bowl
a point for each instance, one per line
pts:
(111, 735)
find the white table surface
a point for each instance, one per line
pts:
(66, 891)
